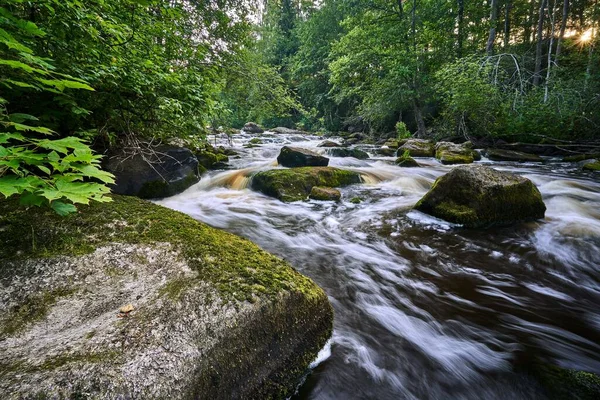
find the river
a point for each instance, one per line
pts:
(425, 309)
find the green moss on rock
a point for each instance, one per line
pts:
(479, 196)
(592, 166)
(417, 148)
(325, 194)
(295, 184)
(566, 384)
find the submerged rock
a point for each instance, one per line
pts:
(479, 196)
(132, 300)
(581, 157)
(345, 152)
(297, 157)
(155, 172)
(511, 155)
(324, 193)
(417, 148)
(295, 184)
(252, 127)
(451, 153)
(255, 141)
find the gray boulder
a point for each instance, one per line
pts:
(155, 172)
(478, 196)
(417, 148)
(252, 127)
(130, 300)
(298, 157)
(287, 131)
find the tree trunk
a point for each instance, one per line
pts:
(529, 24)
(538, 47)
(507, 10)
(552, 19)
(563, 27)
(489, 48)
(461, 14)
(421, 129)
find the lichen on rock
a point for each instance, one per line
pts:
(211, 315)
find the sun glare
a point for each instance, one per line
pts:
(586, 36)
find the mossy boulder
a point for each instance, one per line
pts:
(449, 153)
(392, 144)
(324, 194)
(417, 148)
(154, 172)
(295, 184)
(478, 196)
(346, 152)
(566, 384)
(511, 155)
(298, 157)
(407, 162)
(255, 141)
(591, 166)
(132, 300)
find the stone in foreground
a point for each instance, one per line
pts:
(160, 171)
(417, 148)
(511, 155)
(477, 196)
(325, 194)
(591, 166)
(130, 300)
(295, 184)
(296, 157)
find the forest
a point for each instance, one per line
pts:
(80, 77)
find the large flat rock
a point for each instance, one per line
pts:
(130, 300)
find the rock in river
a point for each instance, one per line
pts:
(345, 152)
(130, 300)
(325, 194)
(160, 171)
(252, 127)
(417, 148)
(297, 157)
(295, 184)
(451, 153)
(478, 196)
(511, 155)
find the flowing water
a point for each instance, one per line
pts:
(424, 309)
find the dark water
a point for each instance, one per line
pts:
(424, 309)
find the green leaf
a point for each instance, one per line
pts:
(63, 209)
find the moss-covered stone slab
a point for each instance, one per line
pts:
(132, 300)
(449, 153)
(295, 184)
(329, 143)
(325, 194)
(478, 196)
(511, 155)
(297, 157)
(581, 157)
(417, 148)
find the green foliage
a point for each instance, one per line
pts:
(402, 131)
(34, 164)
